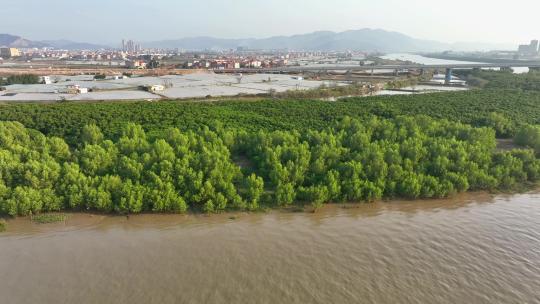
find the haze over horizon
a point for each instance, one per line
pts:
(107, 22)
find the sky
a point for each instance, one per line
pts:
(108, 21)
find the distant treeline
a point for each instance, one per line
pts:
(325, 91)
(20, 79)
(506, 80)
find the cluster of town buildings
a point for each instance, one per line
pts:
(241, 59)
(132, 56)
(53, 54)
(235, 62)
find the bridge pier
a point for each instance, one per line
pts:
(348, 75)
(448, 77)
(396, 72)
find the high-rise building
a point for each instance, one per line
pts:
(129, 46)
(534, 46)
(529, 49)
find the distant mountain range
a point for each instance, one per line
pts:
(361, 40)
(365, 39)
(7, 40)
(18, 42)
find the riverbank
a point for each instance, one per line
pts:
(73, 220)
(473, 59)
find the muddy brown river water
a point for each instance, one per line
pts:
(474, 248)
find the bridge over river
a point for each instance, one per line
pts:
(396, 68)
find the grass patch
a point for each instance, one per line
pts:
(48, 218)
(3, 225)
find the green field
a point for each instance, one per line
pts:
(473, 107)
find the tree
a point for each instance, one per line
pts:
(58, 149)
(315, 195)
(208, 207)
(73, 186)
(98, 198)
(24, 201)
(430, 186)
(255, 188)
(352, 182)
(332, 183)
(501, 124)
(129, 168)
(285, 194)
(96, 160)
(164, 198)
(529, 136)
(132, 198)
(91, 135)
(410, 186)
(5, 194)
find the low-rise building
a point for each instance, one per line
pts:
(205, 64)
(46, 80)
(136, 64)
(74, 89)
(255, 64)
(154, 88)
(232, 65)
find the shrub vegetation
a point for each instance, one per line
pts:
(173, 171)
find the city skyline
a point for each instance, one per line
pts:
(107, 23)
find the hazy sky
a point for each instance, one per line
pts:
(108, 21)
